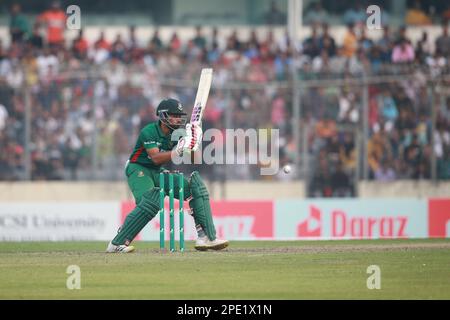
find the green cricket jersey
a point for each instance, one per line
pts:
(151, 136)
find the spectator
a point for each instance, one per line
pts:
(403, 53)
(340, 183)
(416, 16)
(321, 63)
(192, 52)
(376, 59)
(156, 41)
(54, 19)
(413, 158)
(253, 40)
(436, 63)
(402, 100)
(348, 111)
(100, 52)
(118, 48)
(321, 182)
(72, 155)
(80, 46)
(402, 35)
(47, 64)
(423, 129)
(36, 40)
(443, 167)
(316, 15)
(15, 77)
(441, 142)
(314, 103)
(62, 102)
(278, 114)
(214, 43)
(350, 44)
(19, 27)
(347, 152)
(443, 42)
(423, 50)
(386, 44)
(365, 43)
(233, 42)
(214, 54)
(102, 43)
(285, 43)
(385, 172)
(378, 149)
(356, 15)
(326, 42)
(332, 149)
(388, 107)
(442, 150)
(133, 41)
(199, 40)
(311, 46)
(326, 128)
(274, 16)
(175, 43)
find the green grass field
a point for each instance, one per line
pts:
(410, 269)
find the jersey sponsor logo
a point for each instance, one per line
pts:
(153, 142)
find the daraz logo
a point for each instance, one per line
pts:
(367, 227)
(343, 225)
(311, 226)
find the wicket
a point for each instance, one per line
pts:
(171, 210)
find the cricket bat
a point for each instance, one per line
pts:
(204, 86)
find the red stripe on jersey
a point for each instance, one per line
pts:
(137, 154)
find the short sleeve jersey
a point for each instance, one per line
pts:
(56, 22)
(151, 136)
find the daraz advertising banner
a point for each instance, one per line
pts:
(350, 219)
(320, 219)
(236, 220)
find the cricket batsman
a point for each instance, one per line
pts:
(153, 149)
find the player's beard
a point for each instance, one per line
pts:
(174, 126)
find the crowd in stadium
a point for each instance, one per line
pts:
(125, 79)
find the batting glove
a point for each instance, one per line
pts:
(196, 133)
(183, 145)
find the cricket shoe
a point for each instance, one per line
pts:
(112, 248)
(203, 244)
